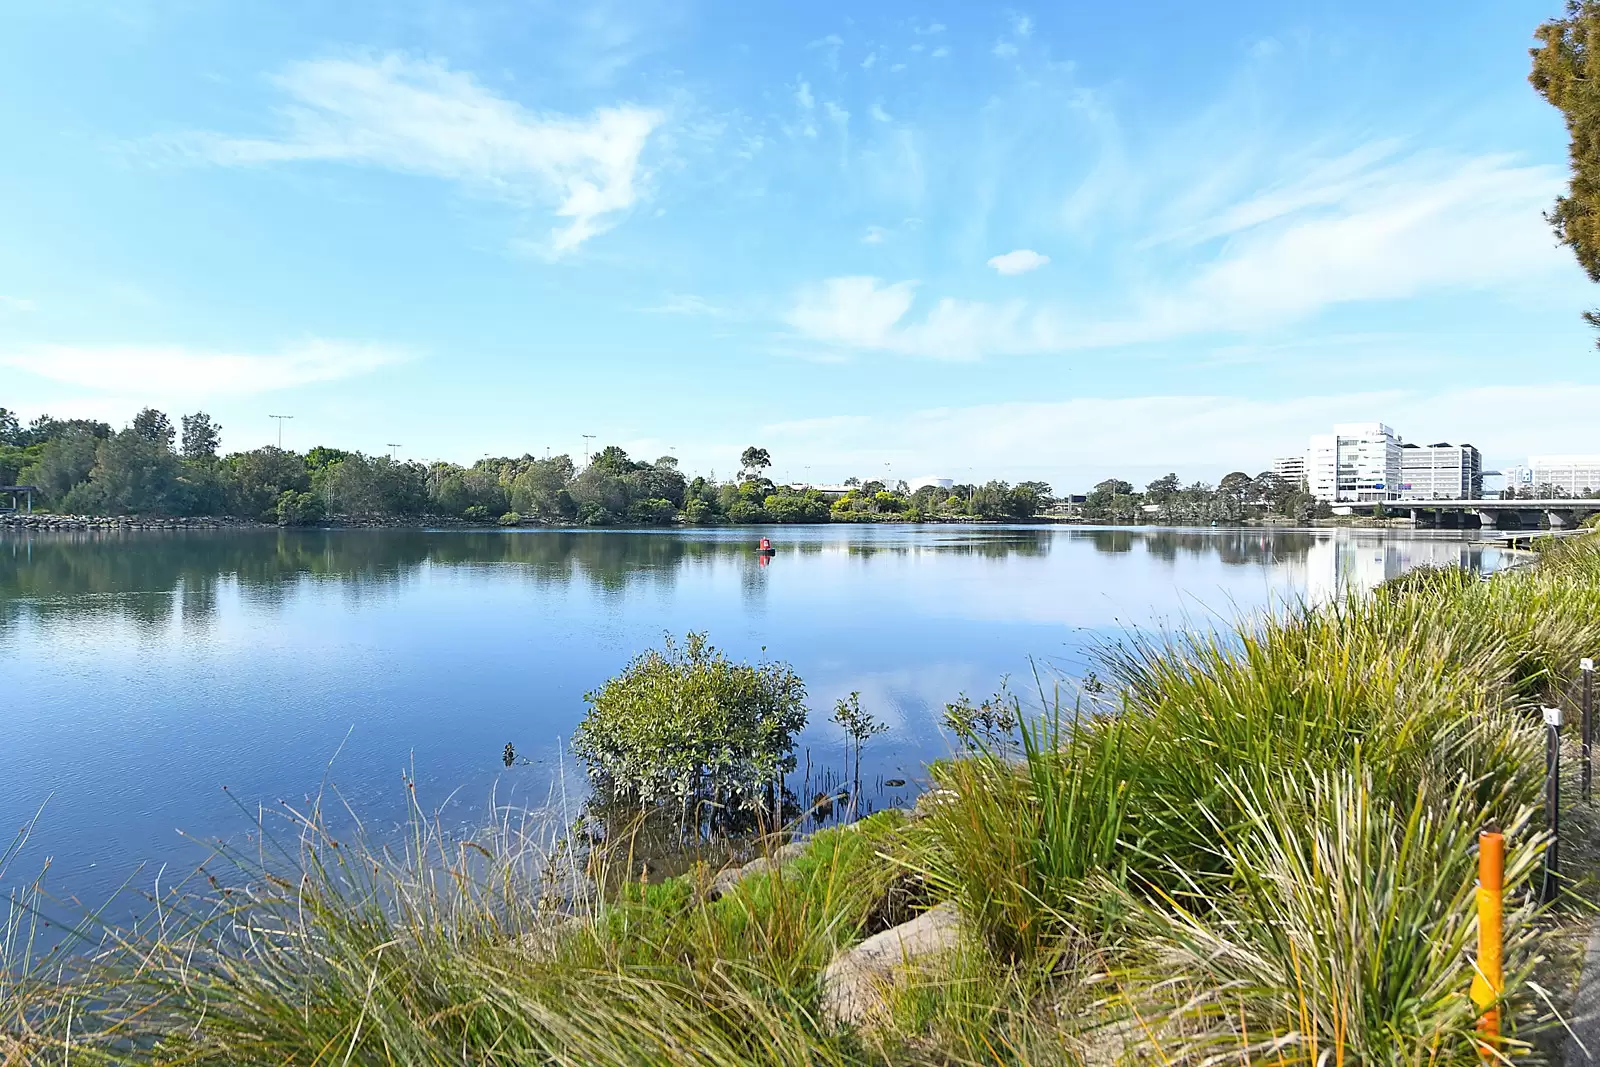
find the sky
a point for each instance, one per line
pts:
(898, 239)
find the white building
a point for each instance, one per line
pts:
(1291, 469)
(1569, 475)
(937, 483)
(1440, 472)
(1357, 462)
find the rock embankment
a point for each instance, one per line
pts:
(41, 521)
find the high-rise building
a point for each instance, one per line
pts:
(1440, 472)
(1291, 469)
(1358, 462)
(1573, 476)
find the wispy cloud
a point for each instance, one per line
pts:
(420, 117)
(1190, 434)
(145, 370)
(879, 114)
(874, 236)
(1364, 227)
(1020, 261)
(17, 303)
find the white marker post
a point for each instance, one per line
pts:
(1552, 804)
(1586, 665)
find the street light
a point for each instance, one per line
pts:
(280, 419)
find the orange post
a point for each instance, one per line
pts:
(1489, 980)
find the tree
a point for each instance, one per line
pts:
(153, 426)
(63, 463)
(259, 478)
(201, 437)
(10, 428)
(684, 725)
(1566, 73)
(1162, 489)
(754, 460)
(859, 727)
(134, 474)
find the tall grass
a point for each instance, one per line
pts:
(1263, 851)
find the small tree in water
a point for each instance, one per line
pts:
(685, 726)
(858, 726)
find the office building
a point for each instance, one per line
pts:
(1358, 463)
(1440, 472)
(1572, 476)
(1291, 469)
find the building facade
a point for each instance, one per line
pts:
(1358, 463)
(1440, 472)
(1573, 476)
(1291, 469)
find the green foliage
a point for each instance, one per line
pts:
(201, 437)
(300, 509)
(684, 725)
(1566, 73)
(510, 518)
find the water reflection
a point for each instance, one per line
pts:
(153, 577)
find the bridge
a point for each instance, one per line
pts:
(1513, 514)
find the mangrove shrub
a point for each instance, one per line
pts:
(685, 724)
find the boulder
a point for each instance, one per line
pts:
(856, 985)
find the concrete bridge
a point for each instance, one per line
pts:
(1501, 514)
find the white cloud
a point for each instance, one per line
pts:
(897, 68)
(875, 235)
(803, 97)
(879, 114)
(1194, 435)
(1004, 49)
(836, 113)
(865, 313)
(866, 64)
(171, 370)
(1019, 262)
(17, 303)
(1021, 25)
(420, 117)
(1362, 228)
(940, 52)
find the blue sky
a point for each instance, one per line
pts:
(930, 239)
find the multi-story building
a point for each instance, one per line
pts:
(1359, 462)
(1573, 476)
(1291, 469)
(1440, 472)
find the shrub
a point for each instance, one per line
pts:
(684, 724)
(511, 518)
(476, 513)
(299, 509)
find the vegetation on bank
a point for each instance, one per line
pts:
(1238, 497)
(1246, 847)
(150, 468)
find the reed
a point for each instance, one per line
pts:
(1256, 847)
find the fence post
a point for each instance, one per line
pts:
(1552, 804)
(1488, 979)
(1586, 665)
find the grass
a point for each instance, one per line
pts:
(1259, 847)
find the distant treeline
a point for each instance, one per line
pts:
(151, 467)
(1236, 498)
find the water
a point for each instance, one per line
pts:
(144, 672)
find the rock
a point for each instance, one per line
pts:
(547, 932)
(930, 800)
(856, 985)
(793, 850)
(723, 883)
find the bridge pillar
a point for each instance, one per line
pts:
(1560, 520)
(1487, 518)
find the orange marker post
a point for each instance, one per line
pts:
(1489, 980)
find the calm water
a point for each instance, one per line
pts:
(143, 672)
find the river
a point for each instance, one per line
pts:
(144, 672)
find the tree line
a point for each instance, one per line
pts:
(1236, 498)
(153, 467)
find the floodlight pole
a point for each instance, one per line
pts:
(280, 419)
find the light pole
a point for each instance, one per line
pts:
(280, 419)
(586, 439)
(391, 446)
